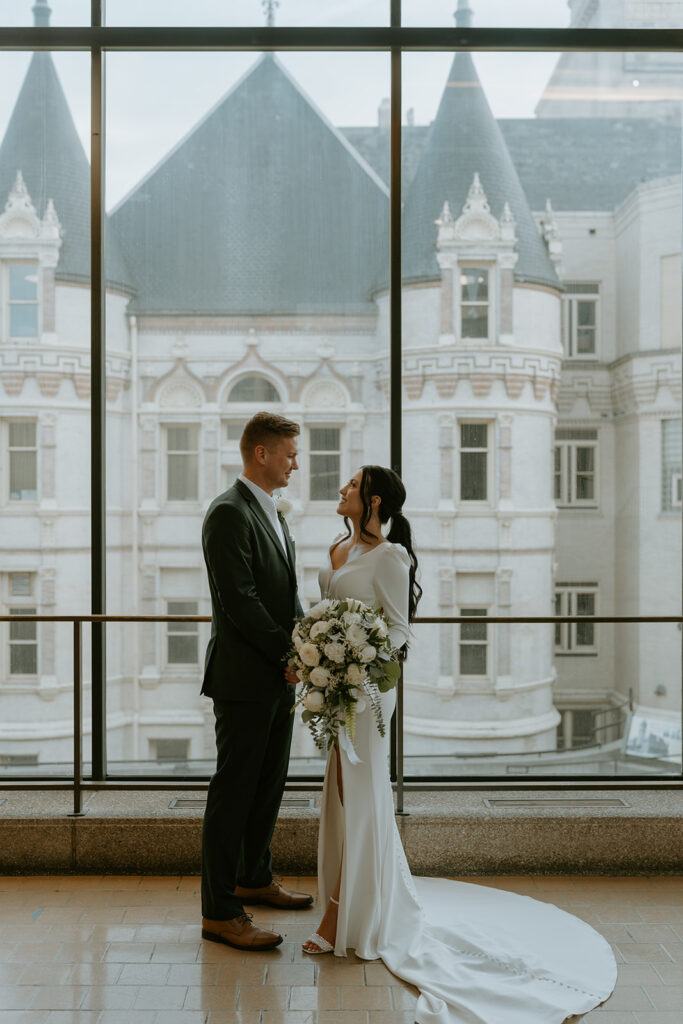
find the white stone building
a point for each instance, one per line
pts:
(541, 390)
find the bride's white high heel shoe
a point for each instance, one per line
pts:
(323, 945)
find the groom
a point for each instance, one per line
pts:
(249, 557)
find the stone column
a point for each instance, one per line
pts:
(150, 667)
(446, 445)
(47, 630)
(503, 657)
(212, 450)
(446, 681)
(148, 462)
(505, 457)
(355, 426)
(48, 300)
(47, 445)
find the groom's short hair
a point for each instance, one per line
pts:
(265, 428)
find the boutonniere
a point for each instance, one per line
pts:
(284, 507)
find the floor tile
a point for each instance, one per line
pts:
(311, 997)
(344, 1017)
(16, 997)
(628, 997)
(667, 997)
(658, 1017)
(58, 997)
(671, 974)
(215, 997)
(643, 952)
(263, 997)
(153, 997)
(288, 1017)
(110, 997)
(365, 997)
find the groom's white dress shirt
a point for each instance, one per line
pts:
(269, 505)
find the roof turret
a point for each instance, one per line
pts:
(465, 140)
(41, 141)
(41, 14)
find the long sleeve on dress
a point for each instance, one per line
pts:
(391, 583)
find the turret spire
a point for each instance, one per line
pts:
(269, 11)
(41, 14)
(463, 15)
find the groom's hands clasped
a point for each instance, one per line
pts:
(290, 676)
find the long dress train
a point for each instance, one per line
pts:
(478, 955)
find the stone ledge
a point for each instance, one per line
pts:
(444, 833)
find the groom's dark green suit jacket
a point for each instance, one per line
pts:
(253, 597)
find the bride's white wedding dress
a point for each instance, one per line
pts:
(478, 955)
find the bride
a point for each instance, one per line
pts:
(478, 955)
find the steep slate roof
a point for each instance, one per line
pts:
(590, 163)
(41, 141)
(465, 138)
(263, 207)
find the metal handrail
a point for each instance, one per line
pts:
(79, 784)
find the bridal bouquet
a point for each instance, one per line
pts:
(343, 656)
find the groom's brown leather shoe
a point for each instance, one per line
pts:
(274, 895)
(240, 933)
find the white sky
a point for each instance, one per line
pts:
(154, 99)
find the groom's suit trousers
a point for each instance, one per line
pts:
(253, 741)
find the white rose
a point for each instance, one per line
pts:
(319, 609)
(335, 652)
(355, 674)
(314, 700)
(284, 506)
(356, 635)
(367, 653)
(320, 677)
(319, 627)
(309, 655)
(348, 618)
(381, 626)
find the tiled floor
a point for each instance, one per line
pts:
(127, 950)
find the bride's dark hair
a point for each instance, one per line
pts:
(388, 487)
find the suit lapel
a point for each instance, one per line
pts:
(265, 522)
(290, 544)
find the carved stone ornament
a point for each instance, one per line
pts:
(477, 223)
(179, 395)
(324, 394)
(20, 220)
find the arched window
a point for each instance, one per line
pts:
(254, 389)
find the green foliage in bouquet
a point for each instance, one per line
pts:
(343, 656)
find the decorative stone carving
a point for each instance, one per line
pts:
(179, 395)
(551, 235)
(21, 224)
(325, 394)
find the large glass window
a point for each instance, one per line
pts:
(324, 463)
(247, 258)
(474, 443)
(474, 302)
(22, 300)
(23, 460)
(576, 452)
(182, 463)
(256, 237)
(581, 320)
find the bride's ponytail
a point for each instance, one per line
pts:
(388, 486)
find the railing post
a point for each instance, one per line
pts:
(78, 719)
(399, 744)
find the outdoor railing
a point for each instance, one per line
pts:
(80, 784)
